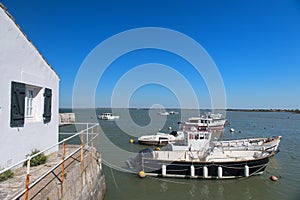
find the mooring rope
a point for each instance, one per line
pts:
(112, 174)
(111, 166)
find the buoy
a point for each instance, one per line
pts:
(231, 130)
(273, 178)
(157, 148)
(142, 174)
(170, 128)
(131, 141)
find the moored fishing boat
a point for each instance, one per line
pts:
(208, 165)
(209, 120)
(197, 158)
(165, 113)
(161, 139)
(269, 144)
(108, 116)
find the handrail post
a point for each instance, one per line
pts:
(27, 178)
(63, 163)
(92, 137)
(63, 168)
(87, 134)
(98, 132)
(81, 150)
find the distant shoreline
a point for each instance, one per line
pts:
(266, 110)
(297, 111)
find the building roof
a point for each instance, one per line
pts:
(11, 17)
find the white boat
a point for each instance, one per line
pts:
(193, 124)
(168, 113)
(108, 116)
(164, 113)
(196, 158)
(269, 144)
(161, 139)
(209, 120)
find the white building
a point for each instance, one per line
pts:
(29, 95)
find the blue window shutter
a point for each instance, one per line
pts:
(47, 105)
(17, 108)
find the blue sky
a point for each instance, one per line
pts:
(254, 44)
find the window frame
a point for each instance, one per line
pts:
(29, 98)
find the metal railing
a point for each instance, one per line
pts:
(91, 129)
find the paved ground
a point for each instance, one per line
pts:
(12, 187)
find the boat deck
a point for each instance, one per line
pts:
(207, 156)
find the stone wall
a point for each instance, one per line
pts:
(66, 118)
(83, 180)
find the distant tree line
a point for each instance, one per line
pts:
(266, 110)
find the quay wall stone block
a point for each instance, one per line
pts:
(84, 181)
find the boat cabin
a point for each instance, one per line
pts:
(194, 139)
(212, 121)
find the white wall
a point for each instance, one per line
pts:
(21, 62)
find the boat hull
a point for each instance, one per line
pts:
(154, 143)
(269, 145)
(215, 170)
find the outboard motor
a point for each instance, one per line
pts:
(174, 133)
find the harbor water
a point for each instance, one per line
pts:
(124, 184)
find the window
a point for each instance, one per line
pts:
(33, 103)
(29, 100)
(206, 136)
(27, 103)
